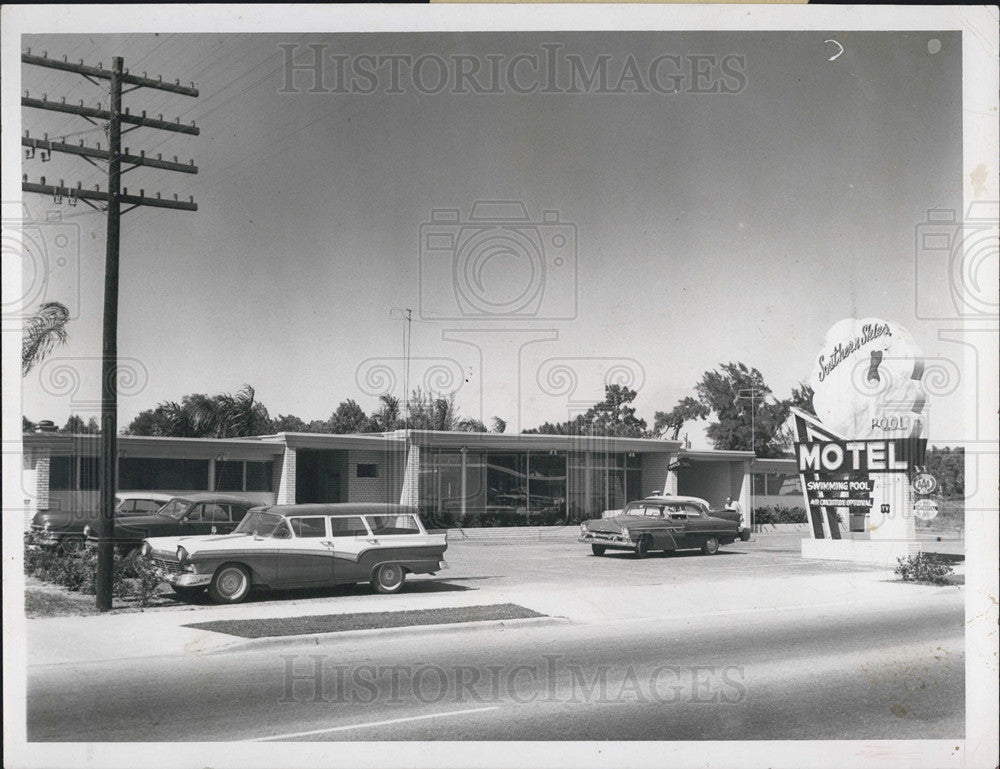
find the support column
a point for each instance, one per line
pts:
(286, 486)
(410, 494)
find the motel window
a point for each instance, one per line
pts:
(62, 473)
(142, 474)
(367, 471)
(90, 474)
(228, 476)
(260, 476)
(777, 484)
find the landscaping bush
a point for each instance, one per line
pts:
(131, 579)
(923, 567)
(779, 514)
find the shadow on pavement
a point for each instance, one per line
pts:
(261, 595)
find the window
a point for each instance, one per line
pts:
(260, 476)
(144, 506)
(393, 524)
(308, 527)
(140, 474)
(237, 512)
(367, 471)
(351, 526)
(62, 473)
(228, 476)
(90, 474)
(214, 513)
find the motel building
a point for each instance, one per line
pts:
(454, 478)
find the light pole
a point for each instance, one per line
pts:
(743, 394)
(407, 315)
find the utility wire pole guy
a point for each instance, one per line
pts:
(115, 117)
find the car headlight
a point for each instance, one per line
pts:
(145, 549)
(625, 532)
(86, 530)
(47, 526)
(584, 528)
(182, 554)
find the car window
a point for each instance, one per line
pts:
(281, 531)
(238, 512)
(144, 506)
(693, 511)
(348, 526)
(393, 524)
(267, 523)
(308, 527)
(214, 513)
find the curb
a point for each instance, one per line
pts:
(315, 639)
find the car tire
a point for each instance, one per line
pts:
(187, 591)
(230, 583)
(642, 547)
(745, 535)
(711, 546)
(598, 549)
(72, 544)
(389, 578)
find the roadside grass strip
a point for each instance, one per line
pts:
(339, 623)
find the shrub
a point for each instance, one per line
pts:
(779, 514)
(132, 578)
(923, 567)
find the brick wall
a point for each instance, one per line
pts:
(384, 488)
(410, 491)
(284, 481)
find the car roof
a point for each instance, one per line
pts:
(340, 508)
(210, 497)
(153, 495)
(675, 500)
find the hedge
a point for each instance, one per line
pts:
(778, 514)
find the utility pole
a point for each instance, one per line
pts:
(114, 117)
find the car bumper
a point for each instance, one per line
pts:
(608, 540)
(187, 580)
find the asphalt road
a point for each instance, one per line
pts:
(840, 671)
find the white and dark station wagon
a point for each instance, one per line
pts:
(297, 546)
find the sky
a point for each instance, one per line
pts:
(693, 229)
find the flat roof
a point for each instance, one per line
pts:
(535, 442)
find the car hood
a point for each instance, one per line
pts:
(197, 542)
(615, 524)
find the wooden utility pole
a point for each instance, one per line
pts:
(114, 198)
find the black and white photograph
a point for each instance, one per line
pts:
(500, 385)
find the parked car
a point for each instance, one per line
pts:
(64, 529)
(660, 523)
(293, 546)
(202, 513)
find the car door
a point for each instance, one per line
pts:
(306, 557)
(677, 520)
(351, 541)
(201, 517)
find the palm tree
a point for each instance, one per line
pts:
(42, 332)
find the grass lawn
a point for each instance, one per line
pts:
(338, 623)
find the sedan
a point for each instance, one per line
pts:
(65, 529)
(660, 523)
(187, 515)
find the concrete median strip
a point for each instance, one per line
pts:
(284, 627)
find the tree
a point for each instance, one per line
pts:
(947, 465)
(470, 425)
(687, 409)
(802, 398)
(240, 415)
(613, 416)
(287, 423)
(76, 426)
(27, 426)
(387, 417)
(726, 393)
(42, 332)
(497, 425)
(349, 417)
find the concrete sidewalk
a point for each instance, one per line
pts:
(63, 640)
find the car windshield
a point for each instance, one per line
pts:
(175, 508)
(652, 512)
(261, 522)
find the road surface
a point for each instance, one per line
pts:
(848, 671)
